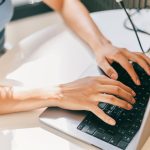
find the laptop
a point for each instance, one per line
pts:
(132, 128)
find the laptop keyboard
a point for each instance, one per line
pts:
(128, 122)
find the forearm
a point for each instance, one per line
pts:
(78, 18)
(19, 99)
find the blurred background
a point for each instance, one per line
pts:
(33, 15)
(24, 8)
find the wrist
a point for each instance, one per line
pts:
(100, 45)
(45, 93)
(22, 93)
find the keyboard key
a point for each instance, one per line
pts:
(122, 131)
(115, 139)
(128, 122)
(106, 137)
(102, 105)
(109, 112)
(139, 120)
(89, 129)
(135, 127)
(131, 132)
(84, 122)
(125, 125)
(122, 144)
(127, 138)
(111, 132)
(98, 135)
(81, 126)
(101, 130)
(85, 128)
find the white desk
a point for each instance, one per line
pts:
(111, 25)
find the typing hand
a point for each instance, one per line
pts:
(86, 93)
(109, 54)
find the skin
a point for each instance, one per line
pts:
(78, 19)
(69, 96)
(86, 93)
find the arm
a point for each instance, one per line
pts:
(69, 96)
(79, 20)
(14, 99)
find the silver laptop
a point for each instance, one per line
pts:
(69, 121)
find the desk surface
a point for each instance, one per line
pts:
(15, 127)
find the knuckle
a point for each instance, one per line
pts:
(117, 89)
(137, 57)
(95, 82)
(100, 61)
(119, 84)
(112, 98)
(98, 79)
(101, 79)
(109, 70)
(119, 52)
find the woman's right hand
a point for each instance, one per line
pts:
(86, 93)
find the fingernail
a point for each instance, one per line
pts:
(149, 72)
(138, 82)
(112, 122)
(130, 106)
(114, 76)
(133, 101)
(133, 93)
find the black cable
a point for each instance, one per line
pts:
(137, 29)
(134, 28)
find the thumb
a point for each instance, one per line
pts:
(108, 69)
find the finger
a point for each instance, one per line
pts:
(141, 61)
(110, 99)
(106, 67)
(100, 113)
(123, 61)
(107, 81)
(146, 58)
(116, 90)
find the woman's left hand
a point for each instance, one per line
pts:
(107, 54)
